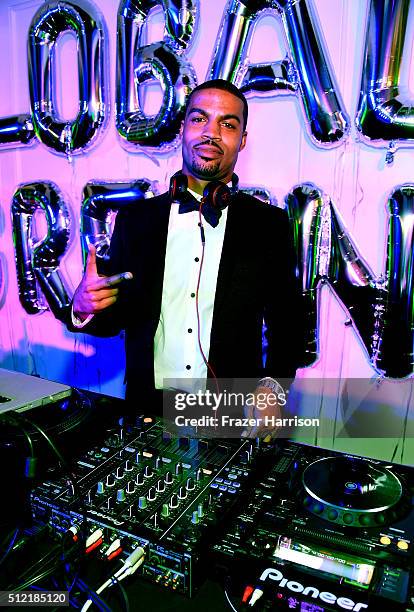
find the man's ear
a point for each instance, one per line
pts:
(181, 129)
(243, 141)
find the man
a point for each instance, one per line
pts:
(187, 323)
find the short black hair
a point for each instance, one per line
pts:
(224, 86)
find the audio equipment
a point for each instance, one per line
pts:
(320, 531)
(142, 488)
(216, 195)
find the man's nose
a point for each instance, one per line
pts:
(212, 131)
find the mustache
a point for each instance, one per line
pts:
(210, 143)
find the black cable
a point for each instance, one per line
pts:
(123, 592)
(10, 545)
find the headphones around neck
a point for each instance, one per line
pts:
(216, 194)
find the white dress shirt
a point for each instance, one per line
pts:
(177, 356)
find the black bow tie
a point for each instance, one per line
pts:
(210, 214)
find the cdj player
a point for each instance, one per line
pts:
(320, 532)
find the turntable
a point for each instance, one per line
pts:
(324, 531)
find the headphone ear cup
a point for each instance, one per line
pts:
(178, 187)
(217, 194)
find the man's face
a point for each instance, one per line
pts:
(212, 135)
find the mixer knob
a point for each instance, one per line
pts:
(158, 463)
(148, 471)
(130, 487)
(100, 488)
(109, 503)
(88, 499)
(110, 480)
(168, 478)
(120, 495)
(200, 510)
(160, 486)
(184, 442)
(165, 511)
(182, 493)
(119, 472)
(122, 434)
(173, 501)
(178, 469)
(138, 457)
(199, 475)
(131, 511)
(138, 422)
(189, 485)
(128, 466)
(151, 494)
(155, 520)
(142, 502)
(139, 479)
(194, 518)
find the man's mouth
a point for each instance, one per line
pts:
(208, 151)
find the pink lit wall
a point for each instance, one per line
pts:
(279, 155)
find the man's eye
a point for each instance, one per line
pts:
(229, 126)
(197, 119)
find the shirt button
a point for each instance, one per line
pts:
(193, 295)
(190, 330)
(188, 367)
(196, 259)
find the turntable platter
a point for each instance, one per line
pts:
(350, 490)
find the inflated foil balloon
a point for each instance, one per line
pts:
(162, 62)
(397, 355)
(16, 131)
(306, 70)
(99, 202)
(358, 289)
(385, 112)
(311, 233)
(50, 21)
(325, 252)
(37, 262)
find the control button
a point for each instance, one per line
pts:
(214, 485)
(160, 486)
(120, 495)
(332, 514)
(402, 545)
(193, 295)
(151, 494)
(139, 479)
(142, 502)
(100, 488)
(236, 484)
(165, 511)
(318, 508)
(228, 482)
(195, 518)
(190, 331)
(223, 488)
(219, 480)
(347, 518)
(188, 367)
(174, 501)
(232, 490)
(168, 478)
(232, 476)
(196, 259)
(130, 487)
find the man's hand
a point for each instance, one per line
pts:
(96, 292)
(266, 411)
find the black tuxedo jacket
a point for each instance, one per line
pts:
(256, 282)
